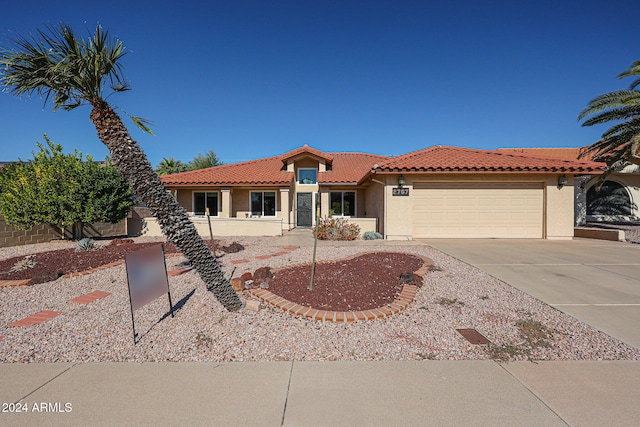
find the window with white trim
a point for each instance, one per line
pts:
(307, 176)
(263, 203)
(203, 200)
(343, 203)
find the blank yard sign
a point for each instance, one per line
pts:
(147, 275)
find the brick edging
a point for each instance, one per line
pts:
(14, 283)
(405, 298)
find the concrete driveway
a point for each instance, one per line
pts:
(595, 281)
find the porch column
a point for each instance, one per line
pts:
(324, 203)
(225, 203)
(284, 208)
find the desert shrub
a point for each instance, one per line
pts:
(371, 235)
(24, 264)
(87, 244)
(336, 229)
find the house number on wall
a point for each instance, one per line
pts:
(399, 191)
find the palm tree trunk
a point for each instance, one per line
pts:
(129, 158)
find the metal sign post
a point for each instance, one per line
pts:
(213, 244)
(315, 242)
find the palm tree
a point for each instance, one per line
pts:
(170, 166)
(75, 71)
(621, 142)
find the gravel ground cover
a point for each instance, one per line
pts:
(454, 295)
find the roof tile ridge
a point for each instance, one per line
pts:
(409, 155)
(530, 156)
(538, 148)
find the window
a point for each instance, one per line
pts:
(343, 203)
(202, 201)
(263, 203)
(307, 176)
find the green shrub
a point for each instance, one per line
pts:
(336, 229)
(371, 235)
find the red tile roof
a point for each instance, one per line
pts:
(269, 171)
(305, 149)
(345, 168)
(352, 168)
(456, 159)
(569, 153)
(349, 167)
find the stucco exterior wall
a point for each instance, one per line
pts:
(398, 219)
(375, 204)
(559, 208)
(226, 227)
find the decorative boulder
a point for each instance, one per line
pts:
(262, 277)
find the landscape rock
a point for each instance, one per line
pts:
(237, 284)
(233, 248)
(263, 275)
(252, 305)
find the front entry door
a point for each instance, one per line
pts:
(304, 207)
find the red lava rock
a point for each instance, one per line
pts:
(52, 265)
(247, 276)
(262, 277)
(118, 241)
(362, 283)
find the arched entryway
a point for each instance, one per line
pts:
(611, 200)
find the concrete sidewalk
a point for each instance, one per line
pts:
(412, 393)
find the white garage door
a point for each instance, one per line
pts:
(478, 210)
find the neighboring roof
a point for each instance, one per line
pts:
(456, 159)
(568, 153)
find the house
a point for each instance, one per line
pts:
(432, 193)
(615, 201)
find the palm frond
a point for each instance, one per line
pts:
(143, 124)
(58, 65)
(621, 98)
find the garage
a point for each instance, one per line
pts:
(478, 210)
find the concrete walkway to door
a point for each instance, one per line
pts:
(595, 281)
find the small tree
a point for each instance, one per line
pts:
(203, 161)
(62, 190)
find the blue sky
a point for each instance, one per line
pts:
(252, 79)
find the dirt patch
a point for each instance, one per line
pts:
(361, 283)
